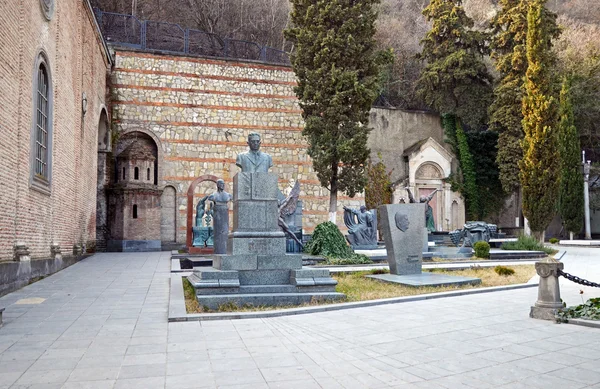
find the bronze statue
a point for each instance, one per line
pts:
(288, 207)
(254, 161)
(429, 222)
(362, 227)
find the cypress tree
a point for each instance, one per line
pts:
(509, 31)
(570, 199)
(337, 67)
(540, 164)
(456, 83)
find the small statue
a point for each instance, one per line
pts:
(254, 161)
(219, 201)
(203, 231)
(287, 207)
(362, 227)
(429, 222)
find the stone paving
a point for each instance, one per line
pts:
(102, 323)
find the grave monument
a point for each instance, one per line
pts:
(220, 210)
(403, 228)
(256, 269)
(362, 228)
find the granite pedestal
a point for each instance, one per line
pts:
(256, 269)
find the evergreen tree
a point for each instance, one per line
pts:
(337, 66)
(570, 200)
(540, 164)
(456, 83)
(455, 80)
(509, 30)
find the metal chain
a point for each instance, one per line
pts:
(578, 280)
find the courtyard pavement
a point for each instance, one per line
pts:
(102, 323)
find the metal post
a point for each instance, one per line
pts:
(586, 196)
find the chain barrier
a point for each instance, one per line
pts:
(578, 280)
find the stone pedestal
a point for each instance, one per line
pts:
(21, 252)
(256, 269)
(548, 302)
(221, 227)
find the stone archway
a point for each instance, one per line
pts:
(190, 206)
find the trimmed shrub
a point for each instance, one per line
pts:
(528, 243)
(482, 249)
(504, 271)
(553, 240)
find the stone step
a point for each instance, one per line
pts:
(260, 299)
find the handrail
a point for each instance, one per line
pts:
(128, 31)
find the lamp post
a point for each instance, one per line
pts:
(586, 195)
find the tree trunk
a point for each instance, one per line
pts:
(539, 236)
(333, 201)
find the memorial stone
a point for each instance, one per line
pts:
(403, 229)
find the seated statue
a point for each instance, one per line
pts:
(362, 227)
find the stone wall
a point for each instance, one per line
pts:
(202, 111)
(396, 130)
(77, 63)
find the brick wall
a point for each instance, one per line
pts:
(202, 112)
(77, 64)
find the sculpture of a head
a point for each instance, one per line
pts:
(363, 208)
(254, 141)
(423, 199)
(220, 184)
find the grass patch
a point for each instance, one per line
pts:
(359, 288)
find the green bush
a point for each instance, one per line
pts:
(504, 271)
(528, 243)
(328, 241)
(482, 249)
(553, 240)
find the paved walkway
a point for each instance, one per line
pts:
(102, 324)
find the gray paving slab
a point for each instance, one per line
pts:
(114, 333)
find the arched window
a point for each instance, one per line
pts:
(148, 176)
(123, 173)
(135, 211)
(41, 137)
(136, 173)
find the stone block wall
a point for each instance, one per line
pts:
(202, 111)
(77, 63)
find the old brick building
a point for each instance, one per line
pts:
(53, 67)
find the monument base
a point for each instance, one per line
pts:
(543, 313)
(426, 279)
(263, 287)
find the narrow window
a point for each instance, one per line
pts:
(148, 175)
(135, 210)
(136, 173)
(123, 173)
(41, 124)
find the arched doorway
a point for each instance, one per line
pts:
(103, 179)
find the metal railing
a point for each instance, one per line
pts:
(128, 31)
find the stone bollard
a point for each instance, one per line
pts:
(77, 250)
(21, 252)
(55, 251)
(548, 302)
